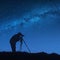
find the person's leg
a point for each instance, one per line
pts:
(13, 47)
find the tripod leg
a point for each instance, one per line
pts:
(27, 46)
(21, 46)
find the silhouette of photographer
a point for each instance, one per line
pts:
(14, 39)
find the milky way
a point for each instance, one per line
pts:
(34, 16)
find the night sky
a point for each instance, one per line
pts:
(38, 20)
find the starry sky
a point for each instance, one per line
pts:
(38, 20)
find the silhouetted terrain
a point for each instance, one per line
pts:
(28, 56)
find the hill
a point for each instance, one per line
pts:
(28, 56)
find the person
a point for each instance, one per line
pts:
(14, 39)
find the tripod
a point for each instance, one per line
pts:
(26, 46)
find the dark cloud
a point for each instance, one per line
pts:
(13, 8)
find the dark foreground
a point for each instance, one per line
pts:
(28, 56)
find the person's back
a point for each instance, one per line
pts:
(15, 38)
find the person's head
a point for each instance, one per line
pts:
(20, 34)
